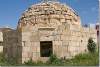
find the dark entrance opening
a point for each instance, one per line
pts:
(46, 48)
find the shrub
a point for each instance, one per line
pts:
(91, 45)
(53, 60)
(3, 60)
(85, 59)
(29, 63)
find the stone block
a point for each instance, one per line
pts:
(57, 38)
(1, 36)
(59, 43)
(35, 44)
(1, 48)
(34, 49)
(65, 43)
(64, 37)
(46, 38)
(26, 36)
(26, 49)
(25, 54)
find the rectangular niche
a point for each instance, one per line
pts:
(46, 48)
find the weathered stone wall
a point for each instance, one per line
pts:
(1, 41)
(1, 36)
(67, 42)
(10, 44)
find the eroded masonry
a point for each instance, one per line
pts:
(44, 29)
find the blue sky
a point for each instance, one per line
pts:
(11, 10)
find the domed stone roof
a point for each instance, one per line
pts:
(49, 14)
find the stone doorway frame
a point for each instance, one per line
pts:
(46, 48)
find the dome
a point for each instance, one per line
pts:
(49, 14)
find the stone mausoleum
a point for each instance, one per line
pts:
(47, 28)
